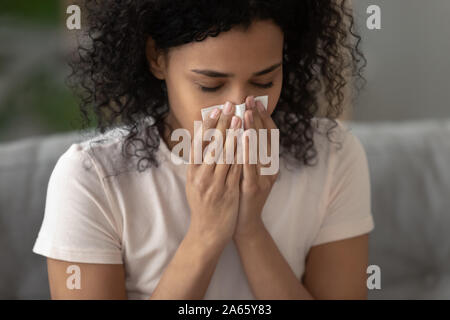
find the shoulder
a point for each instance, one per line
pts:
(346, 201)
(80, 223)
(336, 143)
(96, 156)
(333, 142)
(78, 187)
(339, 158)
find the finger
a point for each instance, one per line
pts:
(234, 173)
(257, 106)
(265, 116)
(263, 142)
(229, 151)
(211, 141)
(195, 152)
(260, 131)
(225, 118)
(210, 122)
(250, 147)
(267, 123)
(258, 123)
(223, 123)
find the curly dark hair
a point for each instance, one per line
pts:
(111, 75)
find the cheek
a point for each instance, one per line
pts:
(184, 105)
(274, 96)
(186, 114)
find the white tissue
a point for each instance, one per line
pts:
(240, 108)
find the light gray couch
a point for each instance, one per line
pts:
(410, 177)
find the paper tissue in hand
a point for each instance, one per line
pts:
(240, 108)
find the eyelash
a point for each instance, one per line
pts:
(264, 86)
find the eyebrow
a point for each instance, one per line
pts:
(216, 74)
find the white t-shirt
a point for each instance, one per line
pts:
(100, 211)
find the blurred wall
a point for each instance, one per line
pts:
(408, 70)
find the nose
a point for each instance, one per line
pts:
(240, 98)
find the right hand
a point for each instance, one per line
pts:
(212, 190)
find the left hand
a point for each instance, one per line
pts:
(254, 187)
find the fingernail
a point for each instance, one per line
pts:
(214, 114)
(234, 122)
(252, 102)
(228, 108)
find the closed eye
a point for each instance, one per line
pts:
(264, 86)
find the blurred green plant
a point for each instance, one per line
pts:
(40, 103)
(44, 102)
(47, 12)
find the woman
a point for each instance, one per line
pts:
(136, 225)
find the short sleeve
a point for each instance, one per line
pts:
(78, 224)
(348, 203)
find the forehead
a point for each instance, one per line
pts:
(234, 51)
